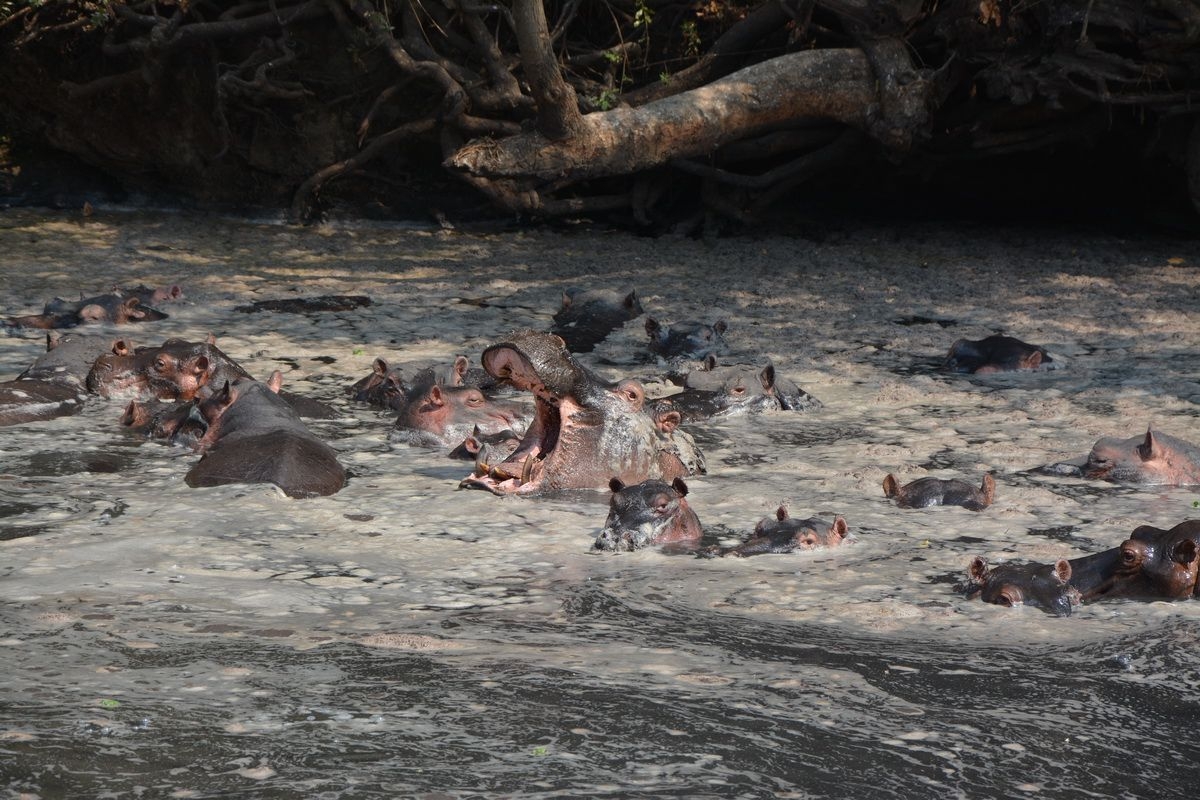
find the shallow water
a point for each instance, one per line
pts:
(405, 638)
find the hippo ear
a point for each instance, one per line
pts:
(52, 340)
(616, 485)
(130, 417)
(710, 363)
(1062, 568)
(567, 299)
(379, 367)
(840, 527)
(1184, 552)
(652, 327)
(461, 365)
(122, 347)
(275, 382)
(767, 377)
(630, 302)
(988, 487)
(1149, 448)
(977, 570)
(1032, 361)
(720, 326)
(212, 338)
(668, 421)
(200, 365)
(679, 486)
(436, 395)
(891, 486)
(781, 513)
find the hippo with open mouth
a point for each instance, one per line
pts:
(585, 430)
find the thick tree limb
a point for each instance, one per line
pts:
(828, 84)
(558, 109)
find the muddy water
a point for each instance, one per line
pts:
(406, 639)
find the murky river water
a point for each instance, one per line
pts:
(406, 639)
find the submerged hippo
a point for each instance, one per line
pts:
(746, 380)
(176, 370)
(585, 430)
(686, 339)
(1155, 459)
(586, 317)
(1152, 564)
(118, 307)
(179, 370)
(383, 388)
(783, 534)
(1044, 586)
(443, 416)
(254, 436)
(925, 492)
(728, 391)
(647, 514)
(995, 354)
(178, 423)
(55, 385)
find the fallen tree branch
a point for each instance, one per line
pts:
(827, 84)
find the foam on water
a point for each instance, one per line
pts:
(405, 638)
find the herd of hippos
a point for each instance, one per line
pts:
(583, 432)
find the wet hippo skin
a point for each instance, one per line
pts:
(585, 430)
(647, 514)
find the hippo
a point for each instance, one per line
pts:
(1154, 459)
(646, 514)
(482, 447)
(1152, 564)
(176, 422)
(434, 415)
(585, 430)
(783, 534)
(254, 436)
(1160, 563)
(176, 370)
(727, 391)
(150, 296)
(686, 339)
(1044, 586)
(117, 307)
(383, 388)
(55, 385)
(179, 370)
(925, 492)
(744, 380)
(588, 316)
(995, 354)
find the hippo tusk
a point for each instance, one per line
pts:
(527, 469)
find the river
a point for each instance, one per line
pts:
(404, 638)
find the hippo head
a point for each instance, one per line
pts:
(585, 430)
(1166, 564)
(1148, 460)
(649, 513)
(1044, 586)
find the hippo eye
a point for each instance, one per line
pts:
(1129, 557)
(1008, 598)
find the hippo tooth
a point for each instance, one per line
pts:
(527, 469)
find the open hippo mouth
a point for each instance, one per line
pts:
(524, 471)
